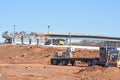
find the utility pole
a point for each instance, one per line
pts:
(49, 33)
(48, 29)
(14, 33)
(71, 55)
(69, 39)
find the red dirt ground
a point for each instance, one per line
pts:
(25, 62)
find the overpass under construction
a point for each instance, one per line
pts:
(34, 38)
(83, 36)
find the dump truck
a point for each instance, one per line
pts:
(108, 56)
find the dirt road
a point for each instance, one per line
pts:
(38, 72)
(50, 72)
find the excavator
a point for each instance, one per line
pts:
(8, 39)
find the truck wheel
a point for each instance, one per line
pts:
(73, 63)
(106, 65)
(51, 61)
(94, 62)
(90, 63)
(64, 62)
(55, 62)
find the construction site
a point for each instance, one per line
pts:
(40, 56)
(59, 39)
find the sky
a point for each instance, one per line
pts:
(63, 16)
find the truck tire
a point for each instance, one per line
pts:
(90, 63)
(51, 61)
(55, 62)
(73, 62)
(106, 65)
(94, 62)
(64, 62)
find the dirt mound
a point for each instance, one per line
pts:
(26, 54)
(21, 54)
(99, 73)
(86, 53)
(89, 69)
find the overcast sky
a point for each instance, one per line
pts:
(63, 16)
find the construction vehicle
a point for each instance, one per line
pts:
(108, 56)
(61, 42)
(8, 39)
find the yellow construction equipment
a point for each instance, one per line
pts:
(61, 42)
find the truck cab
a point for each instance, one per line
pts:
(109, 56)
